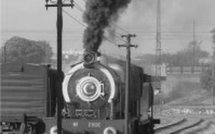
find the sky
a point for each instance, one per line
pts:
(31, 20)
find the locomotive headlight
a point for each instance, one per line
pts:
(89, 57)
(109, 130)
(89, 89)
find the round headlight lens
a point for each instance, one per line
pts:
(89, 57)
(89, 89)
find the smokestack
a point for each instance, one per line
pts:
(98, 15)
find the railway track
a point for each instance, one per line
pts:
(178, 126)
(199, 111)
(194, 101)
(207, 127)
(169, 125)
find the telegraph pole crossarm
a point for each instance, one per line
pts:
(128, 46)
(123, 45)
(55, 4)
(59, 4)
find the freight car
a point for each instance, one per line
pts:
(94, 98)
(27, 94)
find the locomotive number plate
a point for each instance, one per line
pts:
(94, 124)
(75, 124)
(85, 124)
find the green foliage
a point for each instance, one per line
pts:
(206, 79)
(21, 50)
(188, 57)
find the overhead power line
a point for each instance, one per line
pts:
(120, 28)
(68, 14)
(82, 11)
(78, 7)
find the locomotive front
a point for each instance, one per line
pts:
(90, 89)
(94, 94)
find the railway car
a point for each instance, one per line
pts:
(94, 98)
(27, 94)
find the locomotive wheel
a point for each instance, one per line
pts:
(22, 128)
(146, 129)
(29, 129)
(33, 131)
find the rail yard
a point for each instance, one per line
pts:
(107, 67)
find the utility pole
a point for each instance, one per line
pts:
(213, 77)
(194, 43)
(128, 46)
(59, 4)
(194, 30)
(213, 69)
(158, 46)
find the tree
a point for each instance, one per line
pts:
(207, 76)
(186, 57)
(21, 50)
(47, 49)
(206, 79)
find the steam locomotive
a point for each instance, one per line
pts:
(94, 98)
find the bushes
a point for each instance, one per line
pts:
(21, 50)
(206, 79)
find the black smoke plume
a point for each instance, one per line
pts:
(98, 15)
